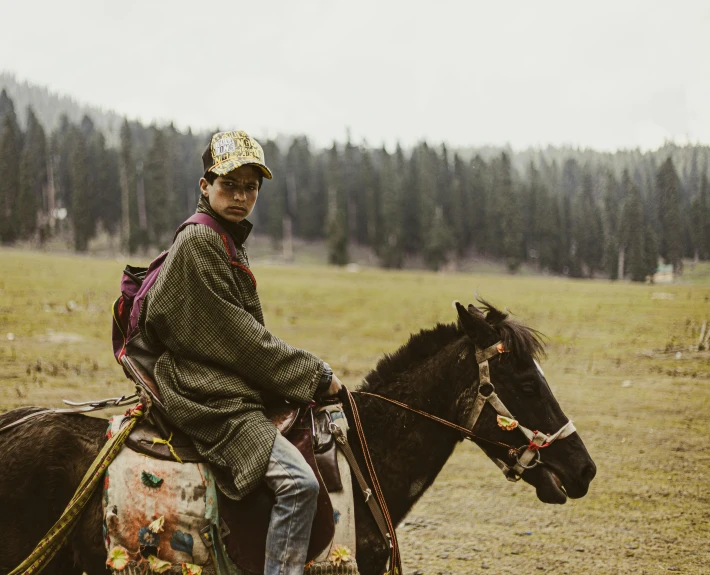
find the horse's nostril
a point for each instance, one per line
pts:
(589, 471)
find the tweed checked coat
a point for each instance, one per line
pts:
(219, 363)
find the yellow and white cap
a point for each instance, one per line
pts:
(231, 150)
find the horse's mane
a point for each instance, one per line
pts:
(519, 339)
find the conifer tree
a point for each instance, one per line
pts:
(188, 171)
(61, 149)
(460, 208)
(301, 171)
(589, 235)
(10, 152)
(392, 250)
(513, 229)
(505, 220)
(160, 202)
(282, 193)
(640, 260)
(532, 211)
(477, 202)
(174, 177)
(570, 184)
(6, 105)
(83, 224)
(444, 182)
(669, 215)
(700, 220)
(411, 208)
(337, 226)
(127, 176)
(350, 177)
(103, 178)
(33, 178)
(551, 254)
(435, 234)
(541, 223)
(611, 217)
(650, 249)
(372, 204)
(499, 192)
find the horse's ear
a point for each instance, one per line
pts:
(476, 327)
(473, 310)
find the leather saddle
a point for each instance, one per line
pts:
(248, 519)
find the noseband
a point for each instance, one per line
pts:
(536, 440)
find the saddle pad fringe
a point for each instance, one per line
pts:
(328, 568)
(134, 568)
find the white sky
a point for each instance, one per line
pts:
(602, 74)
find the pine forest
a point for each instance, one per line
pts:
(566, 211)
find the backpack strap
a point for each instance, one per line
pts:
(209, 221)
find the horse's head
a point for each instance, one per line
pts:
(517, 385)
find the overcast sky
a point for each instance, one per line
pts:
(601, 74)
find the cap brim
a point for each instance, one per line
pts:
(231, 164)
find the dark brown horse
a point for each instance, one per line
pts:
(43, 460)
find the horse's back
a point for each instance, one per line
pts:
(42, 461)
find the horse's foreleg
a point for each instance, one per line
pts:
(372, 551)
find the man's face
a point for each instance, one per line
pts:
(233, 195)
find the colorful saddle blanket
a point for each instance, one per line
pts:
(164, 516)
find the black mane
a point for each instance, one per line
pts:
(519, 339)
(419, 347)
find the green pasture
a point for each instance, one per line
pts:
(620, 360)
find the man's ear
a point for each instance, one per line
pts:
(476, 327)
(204, 184)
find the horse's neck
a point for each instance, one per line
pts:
(409, 450)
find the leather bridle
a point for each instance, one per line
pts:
(526, 457)
(536, 439)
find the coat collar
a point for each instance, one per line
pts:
(239, 231)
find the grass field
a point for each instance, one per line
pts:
(620, 361)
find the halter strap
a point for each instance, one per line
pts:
(536, 439)
(506, 420)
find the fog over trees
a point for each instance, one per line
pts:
(561, 210)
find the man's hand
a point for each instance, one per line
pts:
(335, 386)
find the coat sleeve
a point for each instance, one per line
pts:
(195, 310)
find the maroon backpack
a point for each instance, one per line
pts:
(136, 282)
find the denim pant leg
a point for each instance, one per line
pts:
(296, 489)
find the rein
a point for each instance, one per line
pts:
(464, 431)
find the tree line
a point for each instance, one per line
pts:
(582, 214)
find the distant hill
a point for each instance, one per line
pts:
(50, 107)
(690, 160)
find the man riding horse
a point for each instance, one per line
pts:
(218, 365)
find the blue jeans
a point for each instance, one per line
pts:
(296, 488)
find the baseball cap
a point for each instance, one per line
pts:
(231, 150)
